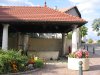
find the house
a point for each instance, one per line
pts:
(18, 22)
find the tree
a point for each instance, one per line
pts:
(98, 41)
(96, 26)
(90, 41)
(83, 31)
(69, 36)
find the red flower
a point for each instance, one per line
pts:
(81, 54)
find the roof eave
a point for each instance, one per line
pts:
(22, 21)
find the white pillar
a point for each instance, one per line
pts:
(74, 39)
(5, 37)
(78, 37)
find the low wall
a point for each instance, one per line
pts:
(45, 54)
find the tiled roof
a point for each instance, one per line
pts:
(13, 13)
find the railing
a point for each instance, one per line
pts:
(88, 47)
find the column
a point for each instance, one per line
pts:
(78, 38)
(20, 41)
(74, 39)
(5, 37)
(26, 40)
(64, 43)
(62, 51)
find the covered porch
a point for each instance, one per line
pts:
(46, 20)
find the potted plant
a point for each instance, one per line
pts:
(75, 57)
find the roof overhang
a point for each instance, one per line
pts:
(42, 26)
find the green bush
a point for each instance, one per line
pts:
(11, 58)
(98, 41)
(7, 57)
(38, 63)
(90, 41)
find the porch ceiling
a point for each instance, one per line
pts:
(41, 27)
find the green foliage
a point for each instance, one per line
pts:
(83, 31)
(98, 41)
(7, 57)
(72, 55)
(38, 63)
(11, 57)
(90, 41)
(69, 36)
(96, 26)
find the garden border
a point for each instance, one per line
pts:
(25, 72)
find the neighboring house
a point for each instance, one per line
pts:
(20, 21)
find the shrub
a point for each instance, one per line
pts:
(90, 41)
(38, 63)
(11, 61)
(98, 41)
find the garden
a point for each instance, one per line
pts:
(12, 61)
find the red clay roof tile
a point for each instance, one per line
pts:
(13, 13)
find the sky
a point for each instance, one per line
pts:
(89, 9)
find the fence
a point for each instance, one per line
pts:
(89, 47)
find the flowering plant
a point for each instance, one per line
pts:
(79, 54)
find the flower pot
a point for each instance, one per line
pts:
(73, 63)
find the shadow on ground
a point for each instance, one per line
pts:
(94, 68)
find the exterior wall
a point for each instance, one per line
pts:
(45, 44)
(45, 48)
(73, 12)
